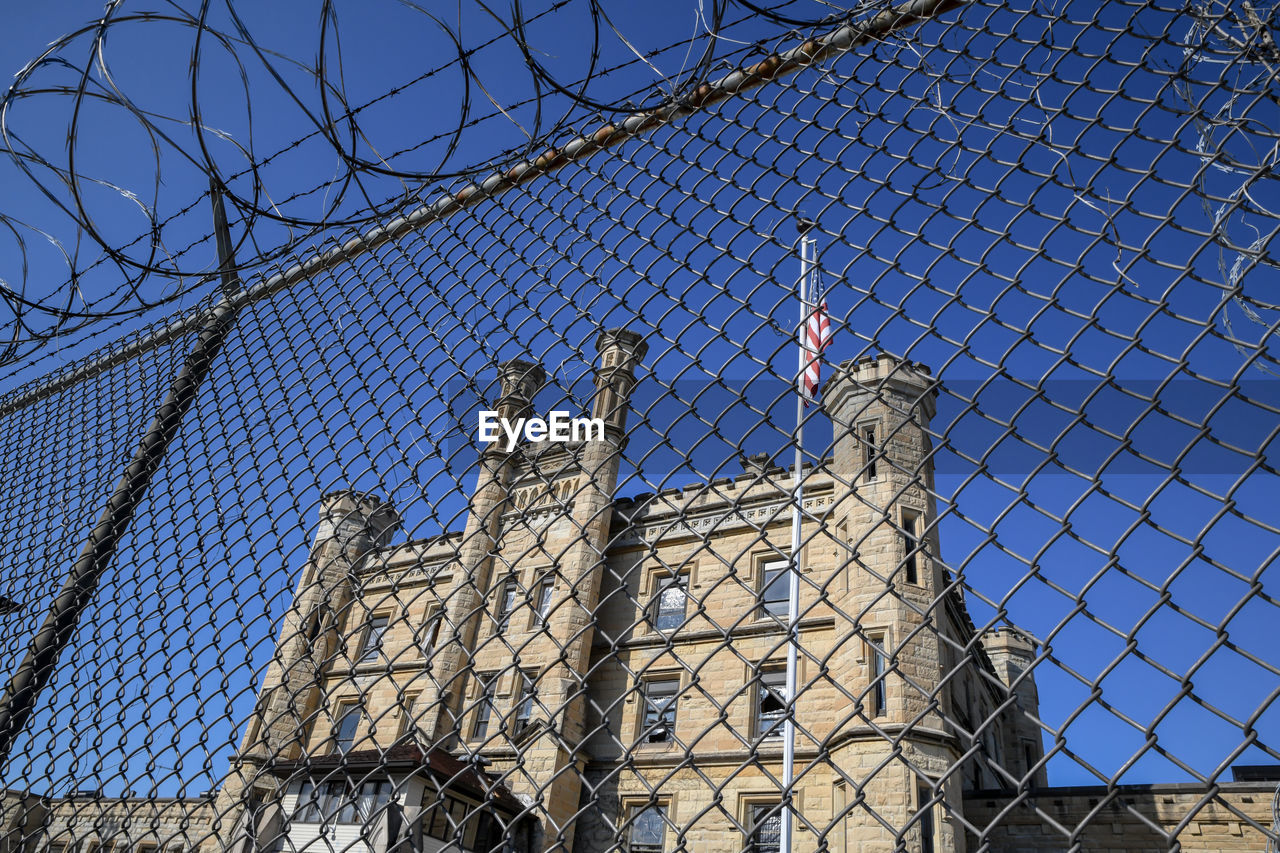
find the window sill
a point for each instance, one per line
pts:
(663, 746)
(763, 626)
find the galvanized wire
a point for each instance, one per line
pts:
(1037, 586)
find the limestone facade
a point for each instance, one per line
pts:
(581, 672)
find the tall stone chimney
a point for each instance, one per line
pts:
(438, 705)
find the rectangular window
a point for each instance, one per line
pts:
(775, 588)
(1029, 755)
(489, 833)
(926, 820)
(648, 830)
(659, 721)
(877, 667)
(765, 829)
(524, 710)
(910, 545)
(346, 722)
(430, 633)
(372, 645)
(336, 802)
(545, 590)
(446, 818)
(506, 602)
(869, 451)
(484, 706)
(371, 801)
(407, 721)
(771, 703)
(669, 603)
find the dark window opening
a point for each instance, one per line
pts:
(372, 645)
(771, 703)
(660, 710)
(869, 448)
(926, 820)
(910, 545)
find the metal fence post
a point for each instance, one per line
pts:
(99, 549)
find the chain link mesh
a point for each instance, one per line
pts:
(1036, 574)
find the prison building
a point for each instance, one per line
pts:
(574, 671)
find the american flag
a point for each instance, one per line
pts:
(814, 338)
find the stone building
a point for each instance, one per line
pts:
(574, 671)
(603, 672)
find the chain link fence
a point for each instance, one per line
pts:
(278, 577)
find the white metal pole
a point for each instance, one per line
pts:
(793, 565)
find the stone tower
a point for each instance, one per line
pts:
(523, 619)
(892, 601)
(1013, 653)
(291, 700)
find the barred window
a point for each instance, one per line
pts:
(766, 828)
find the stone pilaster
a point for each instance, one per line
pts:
(562, 686)
(437, 706)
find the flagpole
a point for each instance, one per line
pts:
(793, 565)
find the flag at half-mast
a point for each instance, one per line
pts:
(814, 338)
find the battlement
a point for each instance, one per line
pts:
(365, 519)
(1008, 640)
(901, 384)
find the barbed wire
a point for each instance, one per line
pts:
(76, 84)
(1034, 539)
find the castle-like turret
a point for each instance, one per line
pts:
(1013, 652)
